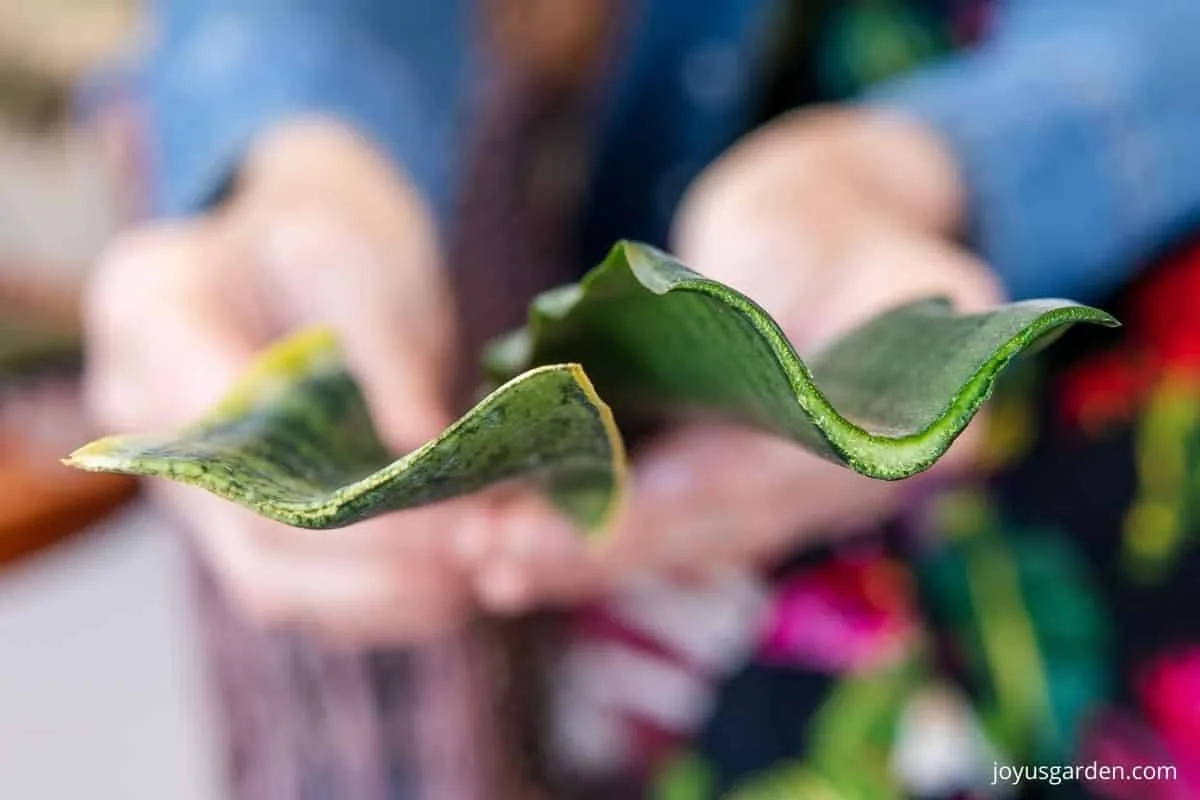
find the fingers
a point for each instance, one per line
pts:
(890, 267)
(529, 554)
(162, 347)
(708, 495)
(168, 336)
(349, 596)
(394, 330)
(177, 311)
(342, 239)
(704, 499)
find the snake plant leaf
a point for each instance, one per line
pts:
(295, 443)
(886, 400)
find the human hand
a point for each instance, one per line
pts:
(825, 219)
(320, 229)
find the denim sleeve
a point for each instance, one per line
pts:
(1077, 128)
(222, 71)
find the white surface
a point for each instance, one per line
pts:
(102, 694)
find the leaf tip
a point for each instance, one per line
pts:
(97, 456)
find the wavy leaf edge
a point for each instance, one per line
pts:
(302, 355)
(874, 455)
(871, 454)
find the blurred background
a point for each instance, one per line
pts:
(101, 691)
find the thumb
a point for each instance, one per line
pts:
(706, 495)
(393, 325)
(162, 345)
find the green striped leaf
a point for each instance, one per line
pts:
(294, 441)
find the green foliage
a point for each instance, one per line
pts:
(294, 441)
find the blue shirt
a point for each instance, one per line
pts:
(1076, 123)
